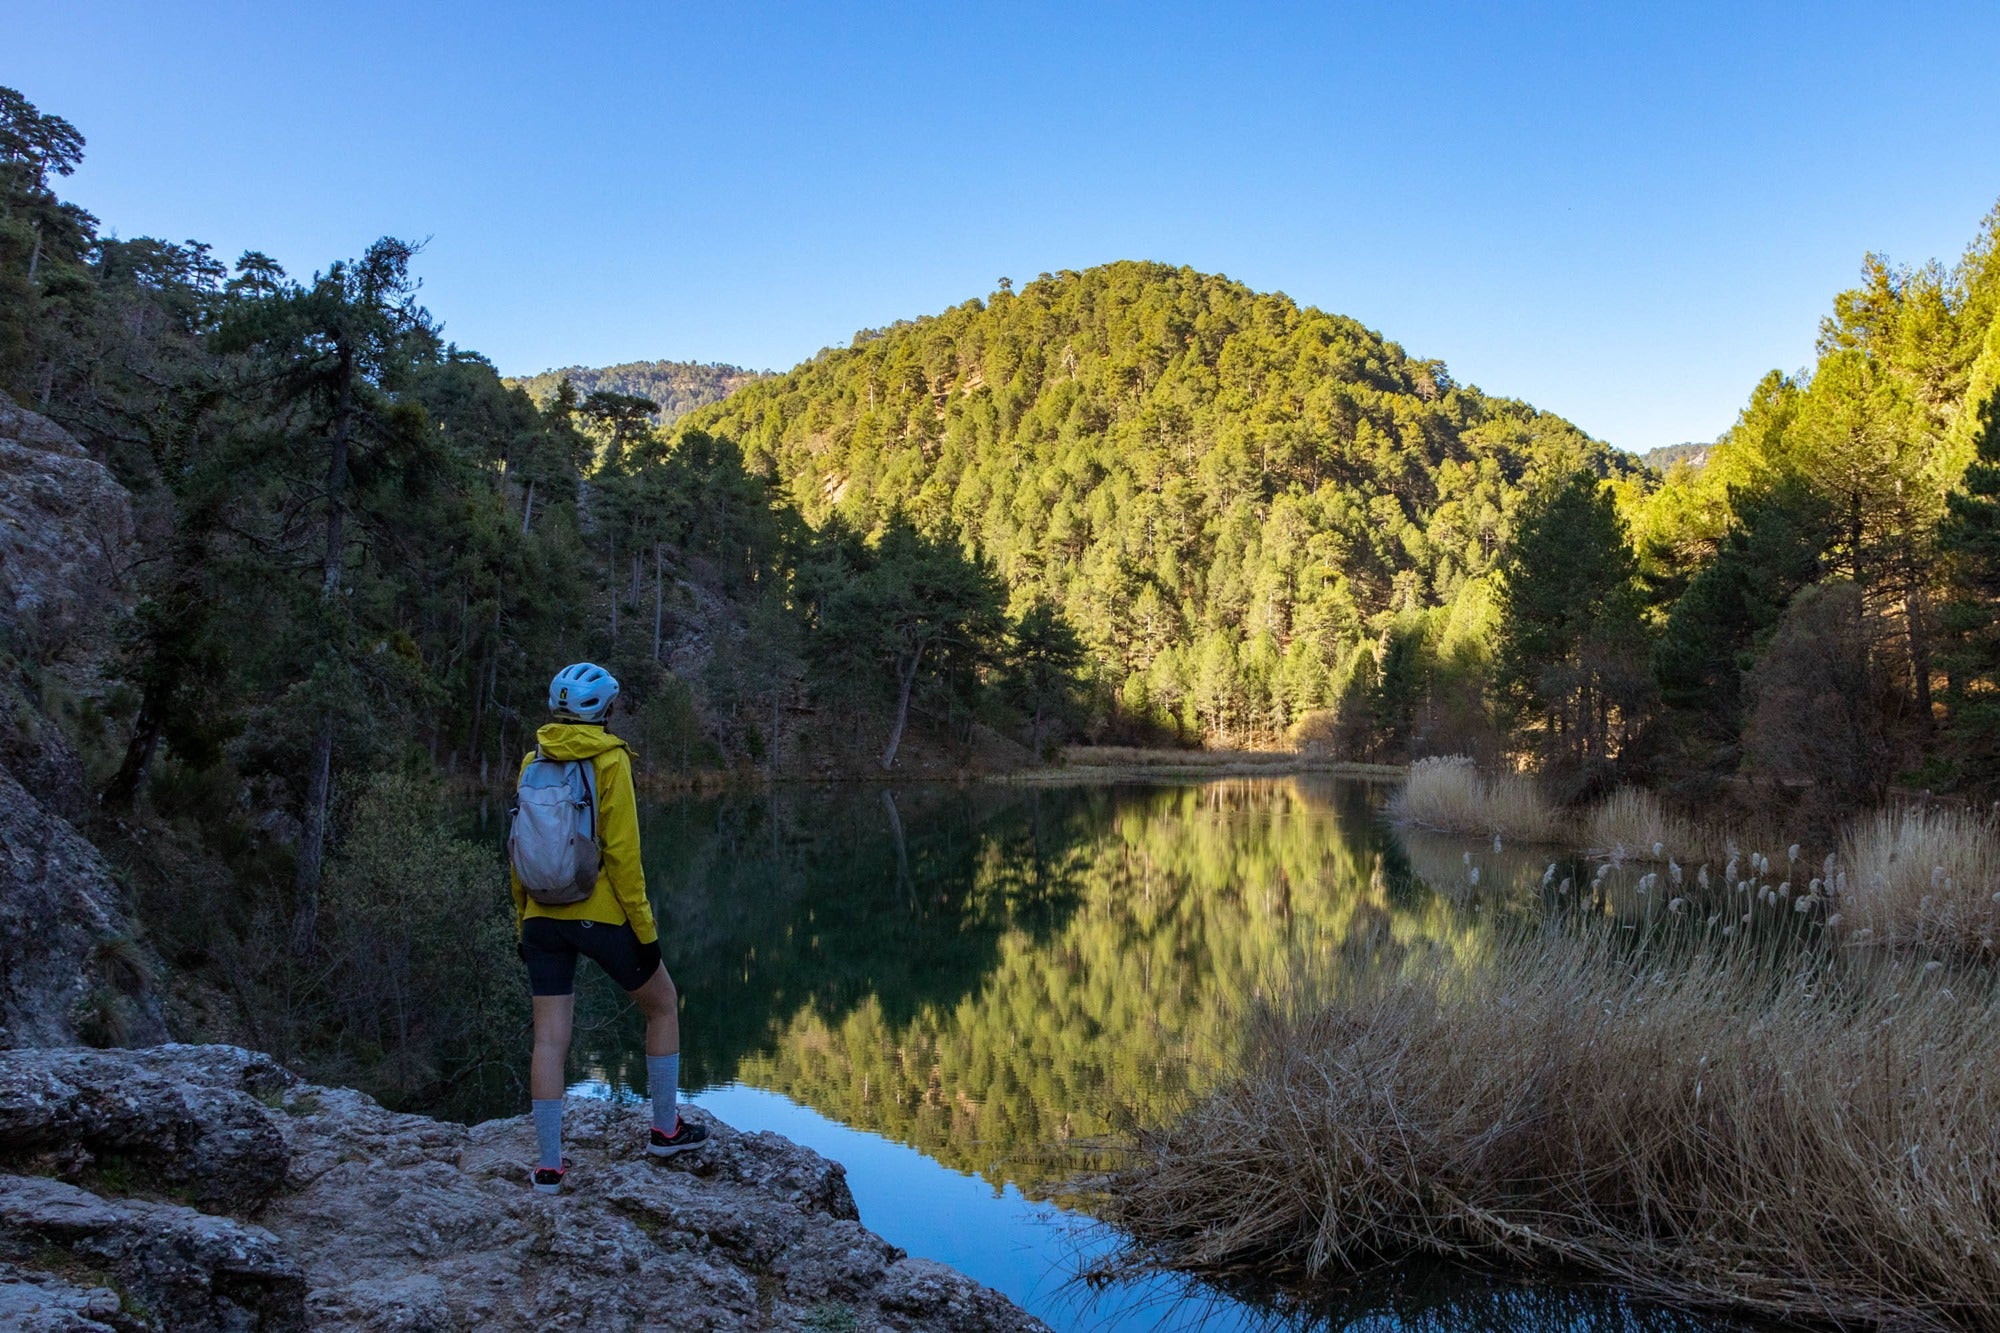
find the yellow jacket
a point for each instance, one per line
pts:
(620, 893)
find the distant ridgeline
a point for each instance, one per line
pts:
(1693, 453)
(679, 387)
(1235, 499)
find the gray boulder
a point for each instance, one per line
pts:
(186, 1121)
(196, 1271)
(322, 1206)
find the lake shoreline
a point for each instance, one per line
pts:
(1079, 765)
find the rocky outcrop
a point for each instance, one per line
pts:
(69, 966)
(203, 1187)
(66, 535)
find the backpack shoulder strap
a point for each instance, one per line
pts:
(589, 769)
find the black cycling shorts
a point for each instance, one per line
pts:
(549, 947)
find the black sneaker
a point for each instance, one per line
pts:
(549, 1179)
(684, 1137)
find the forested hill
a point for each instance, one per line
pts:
(679, 387)
(1228, 494)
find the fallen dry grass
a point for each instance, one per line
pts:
(1700, 1121)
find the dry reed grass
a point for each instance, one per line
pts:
(1922, 878)
(1696, 1124)
(1450, 795)
(1631, 823)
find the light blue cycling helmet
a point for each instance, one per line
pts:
(582, 693)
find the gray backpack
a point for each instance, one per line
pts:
(553, 842)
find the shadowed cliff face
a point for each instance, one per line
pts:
(202, 1187)
(69, 967)
(66, 538)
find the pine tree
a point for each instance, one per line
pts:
(1041, 676)
(1969, 538)
(1570, 636)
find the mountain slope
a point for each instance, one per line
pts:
(679, 387)
(1213, 482)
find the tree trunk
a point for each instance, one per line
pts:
(527, 506)
(124, 786)
(906, 678)
(657, 601)
(777, 719)
(474, 733)
(612, 569)
(1915, 609)
(312, 839)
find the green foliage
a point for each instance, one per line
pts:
(1775, 548)
(908, 611)
(1857, 471)
(1970, 540)
(1570, 635)
(1207, 482)
(414, 931)
(1042, 676)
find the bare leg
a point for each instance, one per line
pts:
(553, 1015)
(661, 1004)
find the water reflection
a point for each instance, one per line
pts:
(999, 978)
(1019, 968)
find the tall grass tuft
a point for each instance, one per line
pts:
(1923, 879)
(1450, 795)
(1705, 1129)
(1631, 822)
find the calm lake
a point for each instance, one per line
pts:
(956, 991)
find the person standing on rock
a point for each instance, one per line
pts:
(579, 889)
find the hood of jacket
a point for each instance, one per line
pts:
(575, 740)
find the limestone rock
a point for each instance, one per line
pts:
(186, 1270)
(186, 1120)
(66, 534)
(32, 1302)
(35, 750)
(399, 1222)
(67, 964)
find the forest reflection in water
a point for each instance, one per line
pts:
(1001, 977)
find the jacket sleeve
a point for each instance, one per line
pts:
(618, 819)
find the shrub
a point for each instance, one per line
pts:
(1817, 714)
(414, 918)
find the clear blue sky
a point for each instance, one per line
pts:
(1623, 213)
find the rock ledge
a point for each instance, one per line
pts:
(205, 1188)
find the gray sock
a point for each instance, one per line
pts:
(548, 1132)
(663, 1076)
